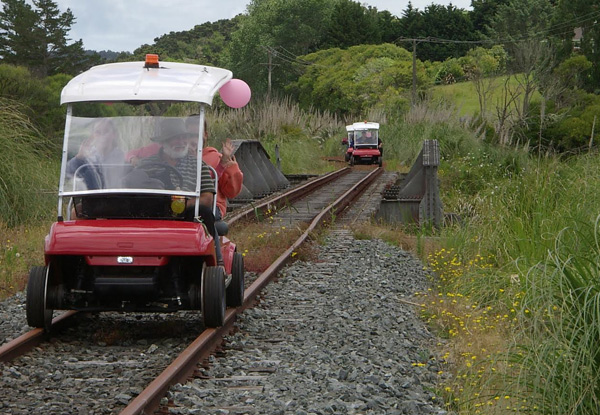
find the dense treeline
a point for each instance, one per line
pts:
(535, 81)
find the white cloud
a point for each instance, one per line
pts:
(127, 24)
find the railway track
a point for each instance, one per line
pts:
(317, 201)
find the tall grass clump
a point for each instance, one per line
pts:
(274, 119)
(403, 137)
(522, 204)
(534, 219)
(28, 179)
(559, 351)
(303, 138)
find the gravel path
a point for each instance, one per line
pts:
(330, 337)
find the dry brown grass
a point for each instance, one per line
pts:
(421, 246)
(263, 242)
(21, 248)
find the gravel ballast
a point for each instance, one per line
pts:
(338, 335)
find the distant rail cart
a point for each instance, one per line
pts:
(349, 142)
(366, 146)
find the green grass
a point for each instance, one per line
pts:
(535, 221)
(27, 174)
(462, 94)
(465, 98)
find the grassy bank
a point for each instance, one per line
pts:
(28, 181)
(526, 264)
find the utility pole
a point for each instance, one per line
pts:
(414, 73)
(269, 67)
(414, 97)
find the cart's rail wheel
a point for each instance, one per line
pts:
(213, 296)
(38, 315)
(235, 289)
(195, 290)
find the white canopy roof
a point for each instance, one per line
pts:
(366, 125)
(131, 81)
(350, 128)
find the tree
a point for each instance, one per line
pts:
(523, 26)
(351, 24)
(17, 34)
(204, 44)
(446, 23)
(583, 15)
(36, 37)
(482, 66)
(389, 26)
(356, 80)
(272, 35)
(483, 12)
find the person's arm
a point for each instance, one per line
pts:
(228, 170)
(135, 155)
(227, 158)
(206, 199)
(74, 164)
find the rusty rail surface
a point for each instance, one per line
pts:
(179, 371)
(32, 338)
(148, 401)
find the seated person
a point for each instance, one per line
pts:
(98, 150)
(173, 152)
(362, 138)
(134, 156)
(230, 177)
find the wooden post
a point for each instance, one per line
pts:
(592, 135)
(414, 73)
(269, 76)
(277, 158)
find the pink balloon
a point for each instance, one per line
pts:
(235, 93)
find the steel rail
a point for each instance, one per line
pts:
(186, 363)
(148, 401)
(32, 338)
(289, 196)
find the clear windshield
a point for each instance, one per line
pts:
(130, 154)
(366, 137)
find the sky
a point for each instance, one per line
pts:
(125, 25)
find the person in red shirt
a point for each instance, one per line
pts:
(228, 171)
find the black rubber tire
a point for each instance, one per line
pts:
(35, 304)
(380, 161)
(235, 290)
(352, 160)
(213, 296)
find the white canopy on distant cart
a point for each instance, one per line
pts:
(360, 126)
